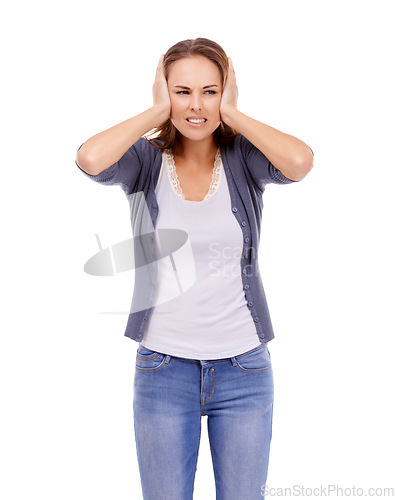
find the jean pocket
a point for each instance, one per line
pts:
(149, 361)
(255, 361)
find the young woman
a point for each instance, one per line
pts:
(204, 352)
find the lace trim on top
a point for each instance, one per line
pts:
(175, 182)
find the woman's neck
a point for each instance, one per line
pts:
(196, 152)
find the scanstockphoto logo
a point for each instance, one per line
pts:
(163, 259)
(224, 260)
(166, 253)
(329, 490)
(161, 256)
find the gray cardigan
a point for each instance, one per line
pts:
(247, 171)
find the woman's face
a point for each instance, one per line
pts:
(195, 90)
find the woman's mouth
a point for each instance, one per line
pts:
(196, 122)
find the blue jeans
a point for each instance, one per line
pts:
(170, 396)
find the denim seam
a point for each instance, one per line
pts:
(197, 451)
(147, 370)
(252, 350)
(253, 370)
(202, 400)
(147, 357)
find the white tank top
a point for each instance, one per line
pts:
(211, 319)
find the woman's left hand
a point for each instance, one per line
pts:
(230, 92)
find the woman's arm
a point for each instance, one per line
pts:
(105, 148)
(290, 155)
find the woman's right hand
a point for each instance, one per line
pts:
(160, 91)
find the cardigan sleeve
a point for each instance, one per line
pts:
(260, 168)
(126, 170)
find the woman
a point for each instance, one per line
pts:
(204, 351)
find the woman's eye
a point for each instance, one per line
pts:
(186, 91)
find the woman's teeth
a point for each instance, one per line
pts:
(194, 120)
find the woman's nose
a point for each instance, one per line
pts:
(195, 103)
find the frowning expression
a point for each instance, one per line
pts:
(195, 89)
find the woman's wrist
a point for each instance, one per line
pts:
(161, 113)
(229, 115)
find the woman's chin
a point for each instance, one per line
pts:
(195, 133)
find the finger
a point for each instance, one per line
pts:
(231, 69)
(160, 61)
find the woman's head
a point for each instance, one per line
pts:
(190, 66)
(197, 47)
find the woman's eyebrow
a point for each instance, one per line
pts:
(187, 88)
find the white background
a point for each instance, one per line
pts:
(321, 71)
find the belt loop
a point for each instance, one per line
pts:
(234, 362)
(167, 359)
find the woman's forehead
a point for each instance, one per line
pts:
(196, 70)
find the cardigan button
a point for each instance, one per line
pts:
(247, 239)
(256, 319)
(234, 209)
(244, 271)
(246, 287)
(262, 335)
(244, 223)
(250, 304)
